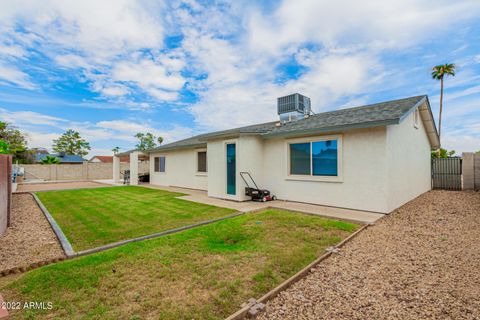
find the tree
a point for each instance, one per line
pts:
(50, 160)
(4, 147)
(147, 141)
(116, 150)
(17, 144)
(71, 143)
(442, 153)
(438, 73)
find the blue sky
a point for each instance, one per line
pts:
(112, 68)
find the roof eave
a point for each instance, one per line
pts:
(167, 148)
(428, 122)
(362, 125)
(230, 136)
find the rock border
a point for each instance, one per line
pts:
(66, 245)
(253, 307)
(17, 270)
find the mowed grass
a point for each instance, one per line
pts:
(201, 273)
(94, 217)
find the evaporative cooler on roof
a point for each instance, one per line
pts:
(293, 107)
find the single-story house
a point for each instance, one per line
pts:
(371, 158)
(64, 158)
(107, 159)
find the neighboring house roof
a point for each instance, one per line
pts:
(67, 158)
(109, 159)
(373, 115)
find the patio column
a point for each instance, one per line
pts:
(116, 169)
(134, 168)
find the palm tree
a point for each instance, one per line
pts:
(115, 150)
(438, 73)
(50, 160)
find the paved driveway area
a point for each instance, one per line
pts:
(421, 262)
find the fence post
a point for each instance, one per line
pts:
(468, 177)
(5, 192)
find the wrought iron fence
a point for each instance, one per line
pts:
(447, 173)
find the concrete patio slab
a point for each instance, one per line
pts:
(248, 206)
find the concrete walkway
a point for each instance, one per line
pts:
(247, 206)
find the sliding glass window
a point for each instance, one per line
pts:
(300, 158)
(315, 158)
(325, 158)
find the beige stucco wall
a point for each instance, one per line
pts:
(381, 168)
(408, 162)
(249, 157)
(363, 176)
(180, 170)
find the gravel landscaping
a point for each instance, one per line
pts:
(420, 262)
(30, 239)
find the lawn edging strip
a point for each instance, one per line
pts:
(253, 307)
(153, 235)
(66, 245)
(70, 253)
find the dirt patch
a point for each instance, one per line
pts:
(58, 186)
(421, 262)
(30, 239)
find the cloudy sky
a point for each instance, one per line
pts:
(112, 68)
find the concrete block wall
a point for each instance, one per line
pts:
(470, 171)
(76, 172)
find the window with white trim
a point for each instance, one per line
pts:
(314, 158)
(159, 164)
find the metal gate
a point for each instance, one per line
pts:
(447, 173)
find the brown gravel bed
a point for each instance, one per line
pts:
(420, 262)
(30, 239)
(32, 187)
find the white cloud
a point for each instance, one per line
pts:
(461, 143)
(100, 28)
(115, 91)
(16, 77)
(128, 129)
(147, 75)
(103, 39)
(29, 117)
(123, 126)
(12, 50)
(372, 23)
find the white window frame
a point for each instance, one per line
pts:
(200, 173)
(311, 177)
(159, 156)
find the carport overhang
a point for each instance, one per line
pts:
(135, 156)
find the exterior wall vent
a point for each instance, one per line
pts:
(293, 107)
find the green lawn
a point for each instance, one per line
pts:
(94, 217)
(201, 273)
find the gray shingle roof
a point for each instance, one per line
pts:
(378, 114)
